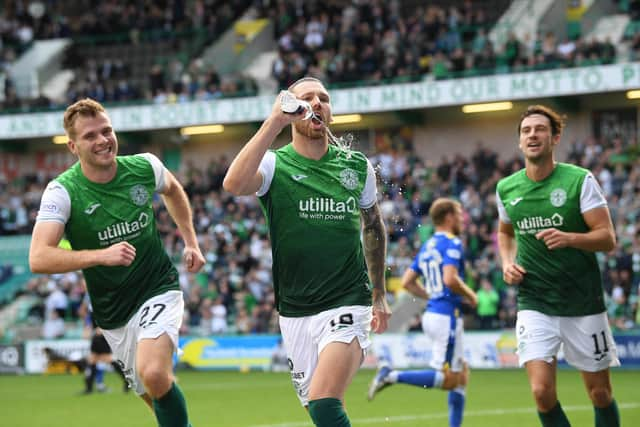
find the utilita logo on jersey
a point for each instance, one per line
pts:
(123, 230)
(534, 224)
(326, 209)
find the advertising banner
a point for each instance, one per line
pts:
(36, 358)
(367, 99)
(495, 349)
(244, 352)
(628, 347)
(11, 359)
(484, 350)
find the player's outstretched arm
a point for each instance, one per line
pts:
(243, 177)
(178, 207)
(375, 251)
(46, 257)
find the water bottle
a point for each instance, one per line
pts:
(292, 105)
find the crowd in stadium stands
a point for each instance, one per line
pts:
(124, 23)
(233, 294)
(340, 42)
(374, 41)
(369, 41)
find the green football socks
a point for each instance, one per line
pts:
(609, 416)
(171, 409)
(328, 412)
(554, 418)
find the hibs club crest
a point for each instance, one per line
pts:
(139, 194)
(349, 179)
(558, 197)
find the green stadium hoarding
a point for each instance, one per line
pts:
(369, 99)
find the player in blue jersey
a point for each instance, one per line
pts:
(440, 262)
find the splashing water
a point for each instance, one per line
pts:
(343, 143)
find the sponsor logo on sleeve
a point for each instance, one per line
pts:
(453, 253)
(49, 207)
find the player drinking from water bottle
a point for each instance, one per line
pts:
(329, 285)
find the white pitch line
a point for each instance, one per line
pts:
(438, 415)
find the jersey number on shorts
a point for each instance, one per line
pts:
(342, 322)
(600, 354)
(159, 308)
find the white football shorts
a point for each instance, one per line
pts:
(586, 341)
(446, 332)
(305, 337)
(158, 315)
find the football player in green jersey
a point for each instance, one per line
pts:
(329, 285)
(553, 218)
(103, 204)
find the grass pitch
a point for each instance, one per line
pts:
(257, 399)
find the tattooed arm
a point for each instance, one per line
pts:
(375, 250)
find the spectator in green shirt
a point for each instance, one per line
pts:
(488, 303)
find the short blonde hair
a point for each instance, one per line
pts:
(441, 207)
(86, 108)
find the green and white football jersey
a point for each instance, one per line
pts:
(559, 282)
(313, 211)
(99, 215)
